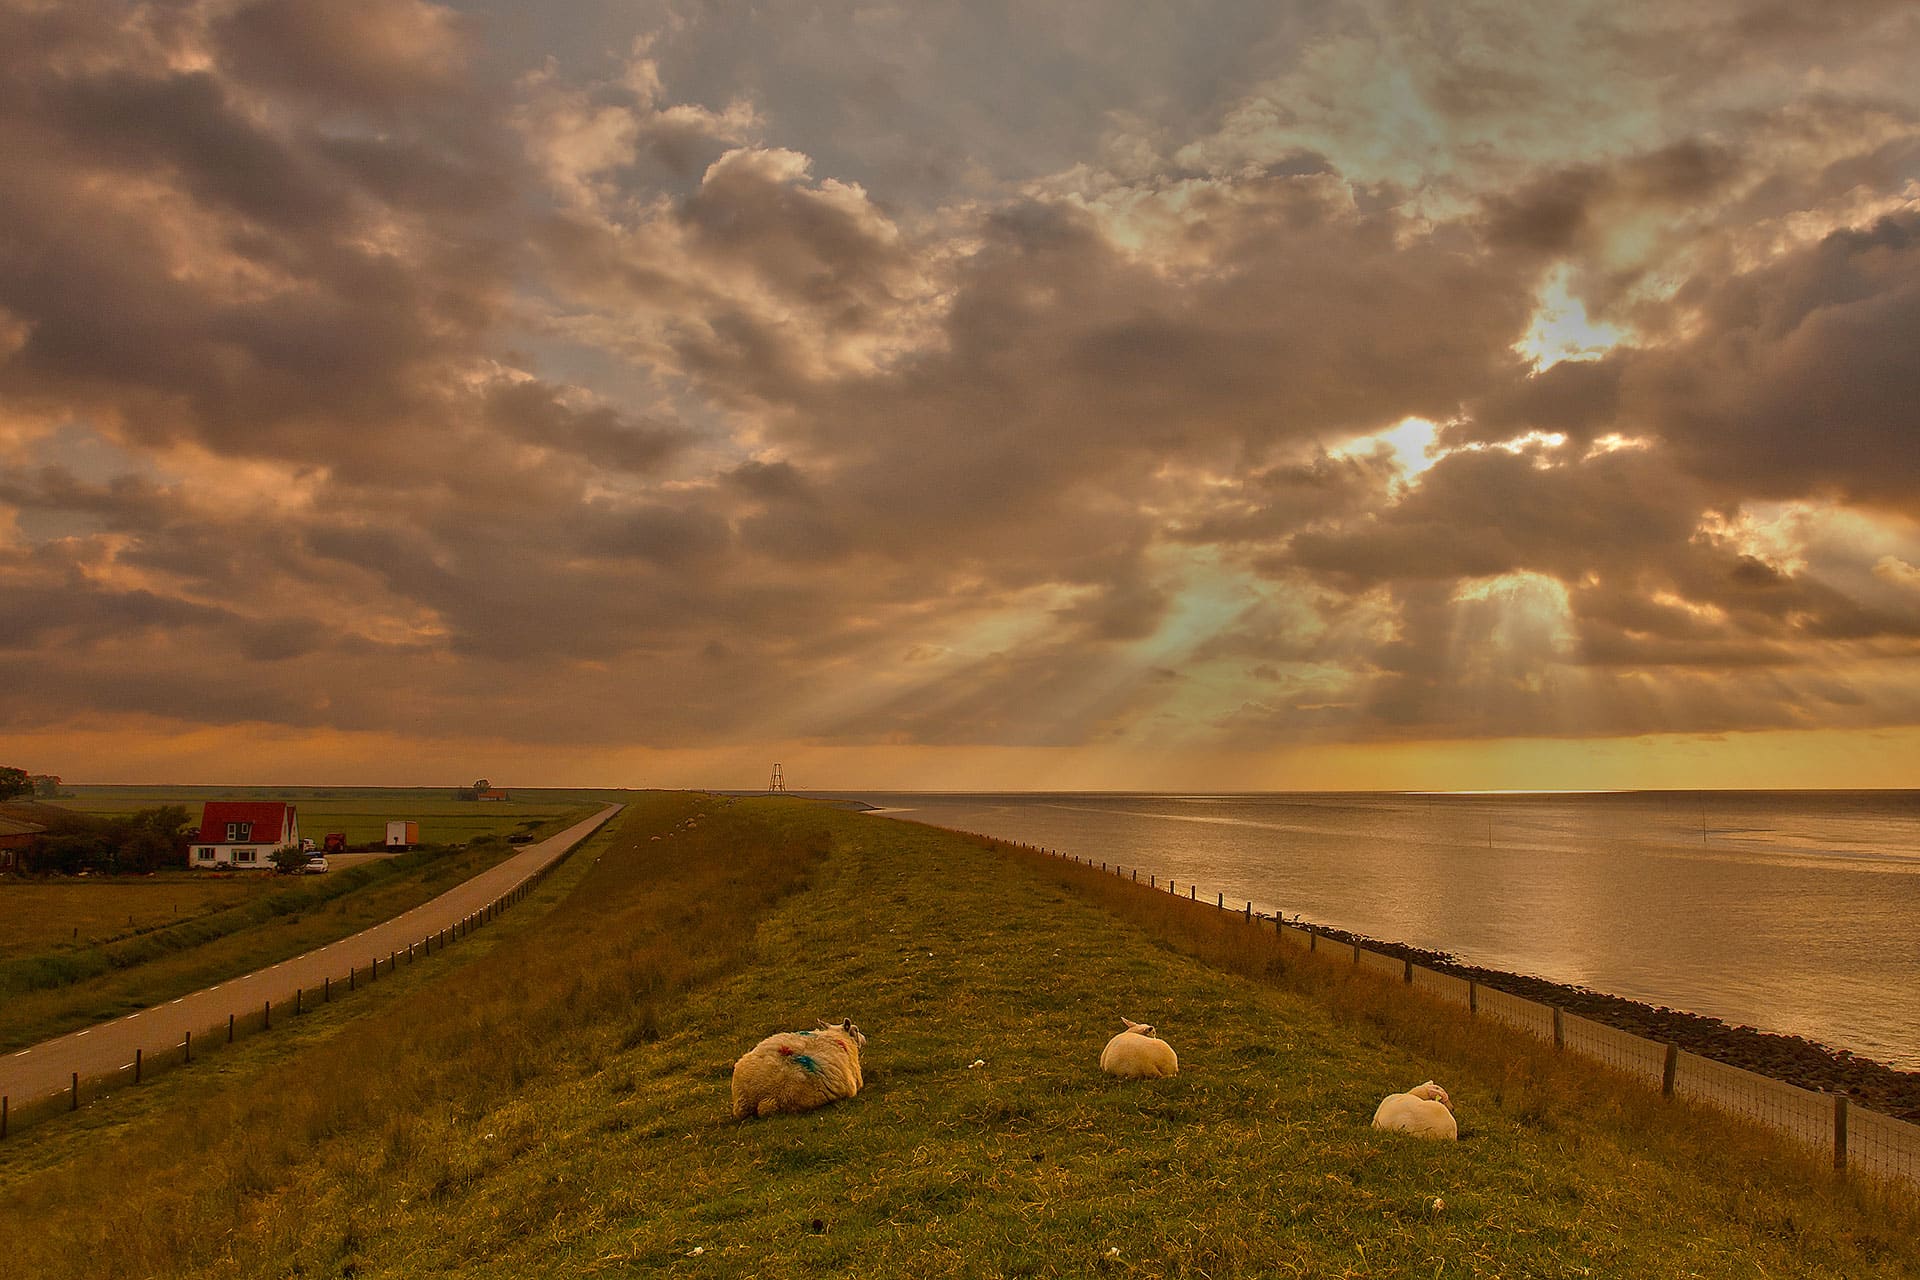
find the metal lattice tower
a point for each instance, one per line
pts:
(778, 783)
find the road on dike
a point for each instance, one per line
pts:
(108, 1047)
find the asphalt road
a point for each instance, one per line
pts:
(107, 1048)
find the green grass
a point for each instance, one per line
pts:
(59, 913)
(558, 1105)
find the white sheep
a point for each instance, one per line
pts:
(1138, 1054)
(1425, 1111)
(798, 1070)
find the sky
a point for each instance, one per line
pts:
(1090, 395)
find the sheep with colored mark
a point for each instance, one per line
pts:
(798, 1070)
(1425, 1111)
(1138, 1054)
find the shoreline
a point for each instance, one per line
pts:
(1791, 1059)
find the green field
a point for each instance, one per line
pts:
(361, 813)
(551, 1099)
(76, 950)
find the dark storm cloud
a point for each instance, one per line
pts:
(1801, 380)
(1795, 381)
(533, 411)
(198, 276)
(359, 55)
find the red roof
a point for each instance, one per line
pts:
(267, 817)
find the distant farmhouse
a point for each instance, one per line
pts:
(15, 835)
(244, 833)
(491, 793)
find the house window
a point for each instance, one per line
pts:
(237, 831)
(246, 855)
(204, 854)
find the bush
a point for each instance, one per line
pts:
(142, 842)
(289, 860)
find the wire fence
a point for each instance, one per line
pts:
(1859, 1141)
(80, 1091)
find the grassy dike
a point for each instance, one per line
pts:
(556, 1105)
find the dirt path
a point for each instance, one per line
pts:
(108, 1047)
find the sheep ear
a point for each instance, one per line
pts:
(1131, 1024)
(846, 1024)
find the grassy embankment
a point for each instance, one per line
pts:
(76, 951)
(557, 1104)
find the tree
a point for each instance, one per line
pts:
(482, 785)
(46, 786)
(158, 839)
(14, 782)
(288, 860)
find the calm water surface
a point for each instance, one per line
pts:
(1790, 911)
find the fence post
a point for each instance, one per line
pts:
(326, 990)
(1151, 882)
(188, 1046)
(1192, 892)
(1221, 905)
(1313, 939)
(1670, 1070)
(352, 981)
(1559, 1029)
(3, 1115)
(1136, 875)
(1356, 953)
(137, 1057)
(1473, 996)
(75, 1104)
(1409, 973)
(229, 1028)
(1840, 1132)
(299, 1001)
(266, 1017)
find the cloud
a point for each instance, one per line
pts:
(1002, 378)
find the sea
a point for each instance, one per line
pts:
(1789, 911)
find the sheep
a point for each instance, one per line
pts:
(1425, 1111)
(798, 1070)
(1138, 1054)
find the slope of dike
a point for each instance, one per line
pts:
(556, 1103)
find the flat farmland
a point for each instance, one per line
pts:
(77, 949)
(41, 915)
(361, 813)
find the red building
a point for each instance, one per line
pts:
(244, 833)
(15, 835)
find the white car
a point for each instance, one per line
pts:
(316, 864)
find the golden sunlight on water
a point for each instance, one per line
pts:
(1787, 911)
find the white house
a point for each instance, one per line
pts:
(244, 833)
